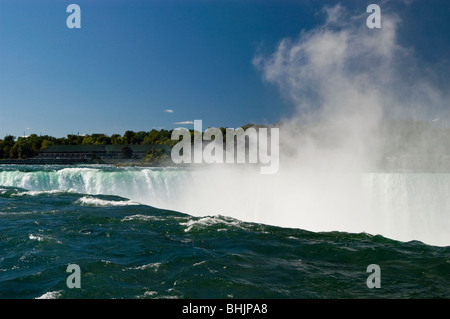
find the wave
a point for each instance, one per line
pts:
(151, 266)
(217, 221)
(42, 238)
(401, 206)
(33, 237)
(142, 218)
(51, 295)
(98, 202)
(40, 193)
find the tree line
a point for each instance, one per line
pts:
(29, 146)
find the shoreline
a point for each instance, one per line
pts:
(79, 161)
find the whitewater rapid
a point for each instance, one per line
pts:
(401, 206)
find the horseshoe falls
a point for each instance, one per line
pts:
(401, 206)
(140, 232)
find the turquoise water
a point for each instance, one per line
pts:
(126, 249)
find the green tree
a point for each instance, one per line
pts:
(14, 151)
(165, 136)
(101, 139)
(46, 143)
(139, 137)
(9, 140)
(6, 151)
(116, 139)
(129, 137)
(87, 140)
(24, 150)
(35, 144)
(152, 137)
(74, 139)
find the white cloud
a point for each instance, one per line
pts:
(342, 72)
(169, 111)
(334, 14)
(184, 122)
(344, 80)
(335, 65)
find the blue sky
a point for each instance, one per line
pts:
(133, 60)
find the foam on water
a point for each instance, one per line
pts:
(98, 202)
(208, 221)
(51, 295)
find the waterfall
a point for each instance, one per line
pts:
(402, 206)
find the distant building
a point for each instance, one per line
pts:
(88, 152)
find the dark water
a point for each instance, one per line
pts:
(136, 251)
(127, 250)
